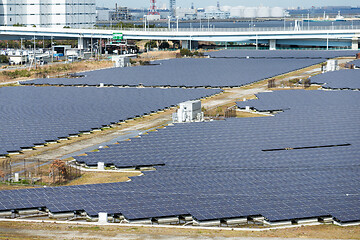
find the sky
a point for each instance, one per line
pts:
(204, 3)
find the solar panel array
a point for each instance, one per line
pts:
(342, 79)
(188, 72)
(33, 115)
(219, 170)
(356, 63)
(287, 54)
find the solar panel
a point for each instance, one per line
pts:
(285, 54)
(342, 79)
(188, 72)
(31, 115)
(356, 63)
(217, 170)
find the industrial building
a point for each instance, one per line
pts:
(217, 12)
(48, 13)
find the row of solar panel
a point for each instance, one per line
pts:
(188, 72)
(231, 177)
(303, 197)
(33, 115)
(342, 79)
(288, 54)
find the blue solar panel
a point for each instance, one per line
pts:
(342, 79)
(286, 54)
(31, 115)
(218, 170)
(356, 63)
(188, 72)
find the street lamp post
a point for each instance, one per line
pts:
(145, 22)
(35, 50)
(52, 50)
(169, 22)
(308, 21)
(177, 23)
(21, 43)
(208, 22)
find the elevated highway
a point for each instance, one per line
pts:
(344, 36)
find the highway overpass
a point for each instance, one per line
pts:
(333, 36)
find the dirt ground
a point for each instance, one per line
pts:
(103, 177)
(20, 230)
(4, 186)
(56, 69)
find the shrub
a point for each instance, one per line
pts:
(186, 52)
(293, 81)
(197, 53)
(17, 73)
(132, 61)
(144, 63)
(150, 44)
(19, 25)
(164, 45)
(4, 59)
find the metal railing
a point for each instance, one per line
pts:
(249, 29)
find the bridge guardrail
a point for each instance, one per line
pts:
(250, 29)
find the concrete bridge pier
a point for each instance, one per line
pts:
(355, 43)
(191, 45)
(83, 43)
(272, 44)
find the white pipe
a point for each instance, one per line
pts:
(163, 226)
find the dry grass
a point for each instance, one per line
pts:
(58, 68)
(102, 177)
(4, 186)
(54, 231)
(86, 178)
(241, 114)
(156, 55)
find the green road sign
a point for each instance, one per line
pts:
(118, 36)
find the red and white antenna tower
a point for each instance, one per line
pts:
(153, 9)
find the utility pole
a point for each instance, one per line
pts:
(284, 22)
(21, 43)
(208, 23)
(91, 46)
(34, 59)
(257, 42)
(145, 23)
(177, 23)
(327, 41)
(52, 50)
(100, 46)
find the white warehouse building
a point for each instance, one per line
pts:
(48, 13)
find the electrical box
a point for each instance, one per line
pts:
(189, 111)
